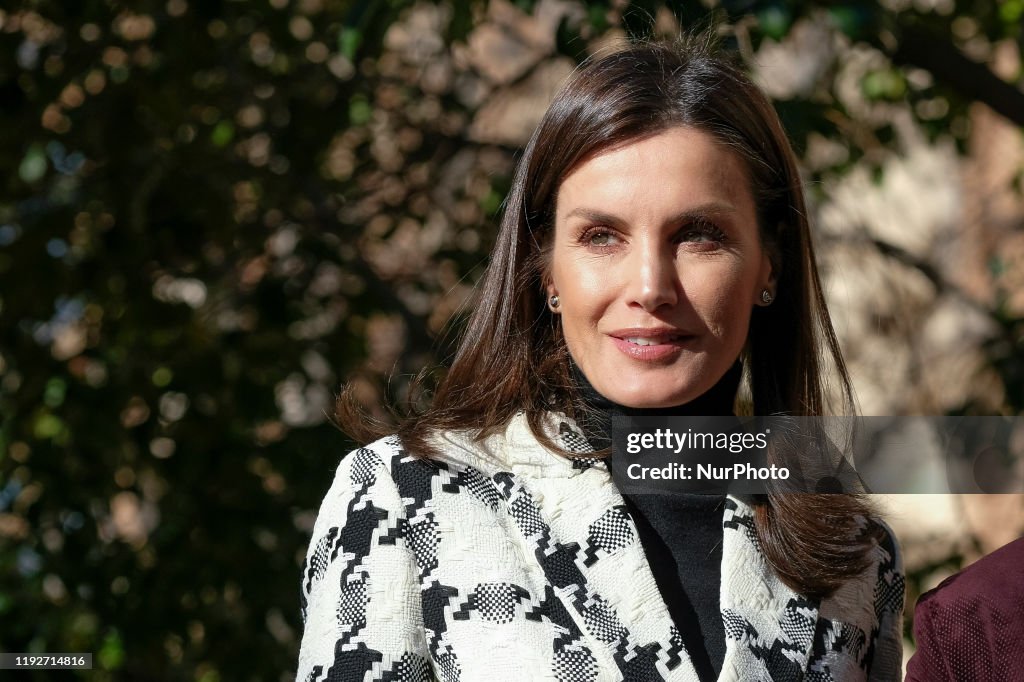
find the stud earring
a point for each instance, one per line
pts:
(553, 301)
(766, 297)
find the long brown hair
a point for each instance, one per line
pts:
(512, 357)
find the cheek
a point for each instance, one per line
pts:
(583, 290)
(580, 318)
(723, 300)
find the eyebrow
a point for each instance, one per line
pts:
(700, 211)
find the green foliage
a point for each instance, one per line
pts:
(884, 84)
(158, 150)
(775, 20)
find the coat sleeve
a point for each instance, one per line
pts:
(927, 664)
(890, 593)
(360, 595)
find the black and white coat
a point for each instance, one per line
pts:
(506, 561)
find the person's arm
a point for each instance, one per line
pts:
(360, 589)
(890, 593)
(926, 665)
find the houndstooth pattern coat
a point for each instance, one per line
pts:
(506, 561)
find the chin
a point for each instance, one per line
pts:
(643, 397)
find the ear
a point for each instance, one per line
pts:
(767, 278)
(552, 292)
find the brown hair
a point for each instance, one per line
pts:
(512, 357)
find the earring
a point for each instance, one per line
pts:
(766, 297)
(553, 301)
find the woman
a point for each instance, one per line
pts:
(655, 238)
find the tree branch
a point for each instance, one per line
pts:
(920, 47)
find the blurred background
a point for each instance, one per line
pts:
(213, 213)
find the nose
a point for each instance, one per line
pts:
(654, 280)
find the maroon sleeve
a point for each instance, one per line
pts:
(927, 664)
(971, 626)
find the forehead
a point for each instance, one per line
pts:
(680, 165)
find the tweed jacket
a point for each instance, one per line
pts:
(507, 561)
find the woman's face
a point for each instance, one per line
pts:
(657, 264)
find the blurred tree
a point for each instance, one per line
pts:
(213, 212)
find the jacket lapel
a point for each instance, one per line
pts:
(586, 542)
(769, 628)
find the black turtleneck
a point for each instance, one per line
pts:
(681, 534)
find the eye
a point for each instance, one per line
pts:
(702, 232)
(599, 237)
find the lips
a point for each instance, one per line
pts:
(651, 343)
(653, 340)
(649, 336)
